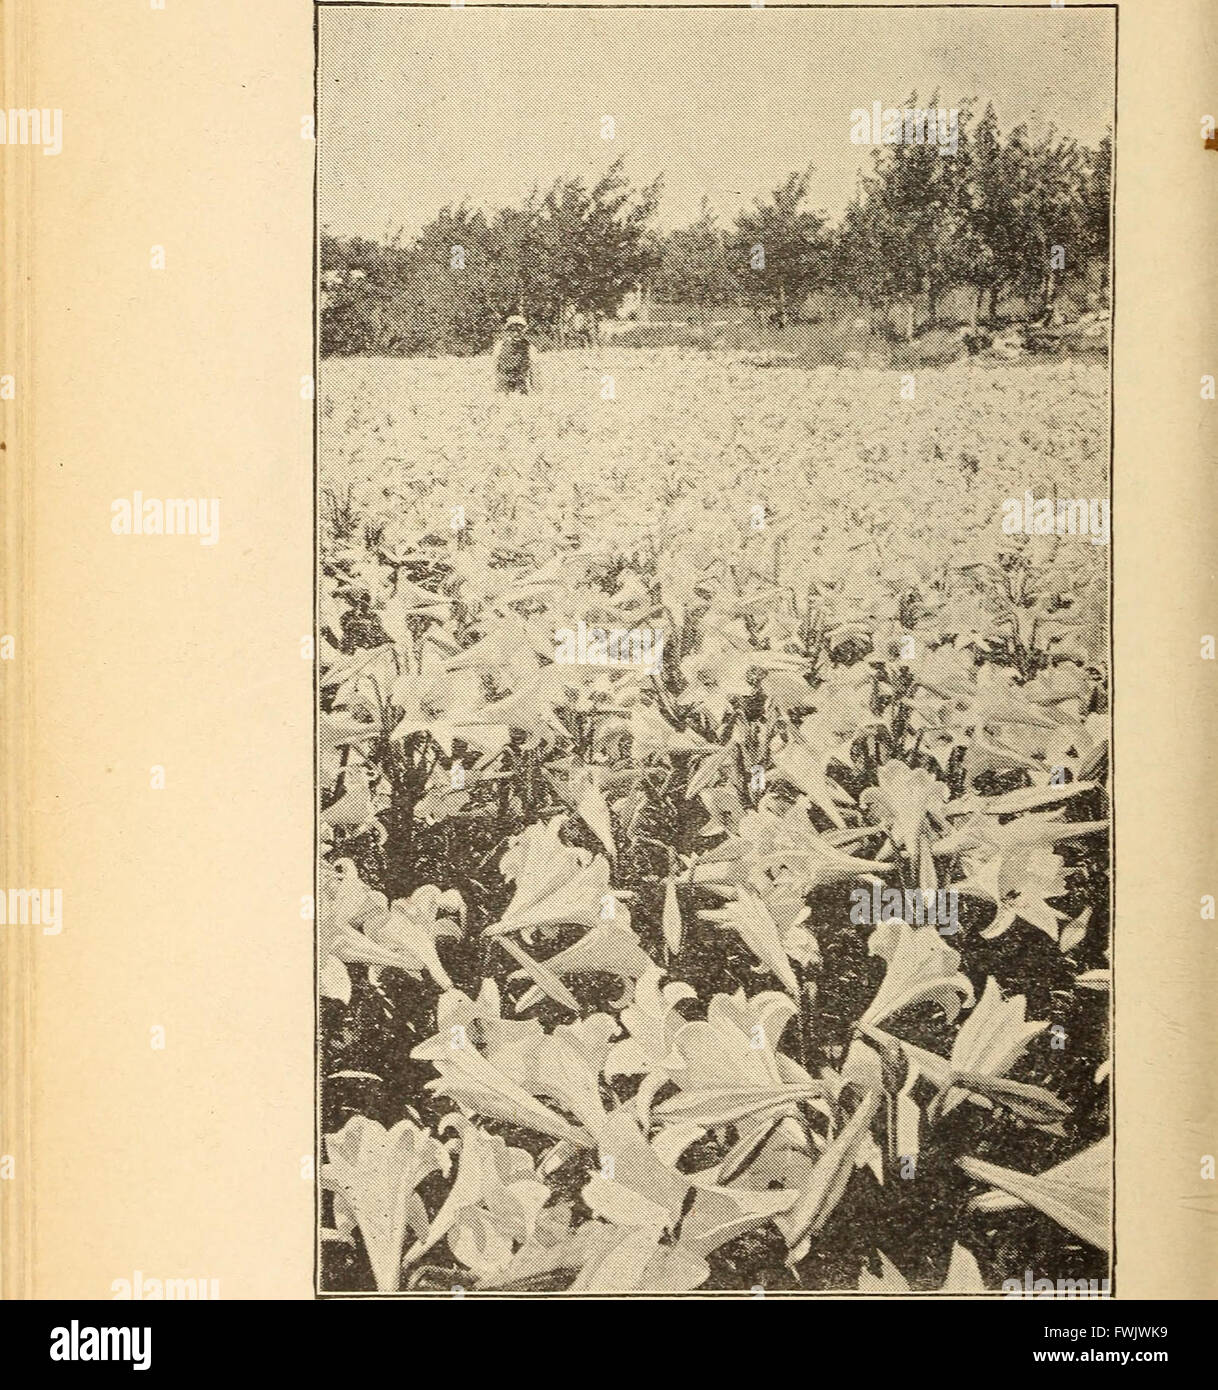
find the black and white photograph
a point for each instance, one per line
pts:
(713, 563)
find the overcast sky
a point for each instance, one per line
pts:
(423, 107)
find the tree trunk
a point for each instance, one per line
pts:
(910, 312)
(977, 308)
(1041, 307)
(1051, 290)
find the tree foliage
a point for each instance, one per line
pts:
(779, 248)
(575, 247)
(1008, 216)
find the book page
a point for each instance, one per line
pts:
(596, 596)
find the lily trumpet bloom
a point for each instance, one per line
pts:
(374, 1173)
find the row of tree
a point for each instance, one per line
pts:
(1006, 215)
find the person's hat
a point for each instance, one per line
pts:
(517, 319)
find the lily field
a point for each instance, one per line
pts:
(767, 947)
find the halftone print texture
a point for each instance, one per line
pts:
(713, 527)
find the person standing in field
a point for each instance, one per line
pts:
(515, 368)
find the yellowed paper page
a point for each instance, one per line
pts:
(475, 677)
